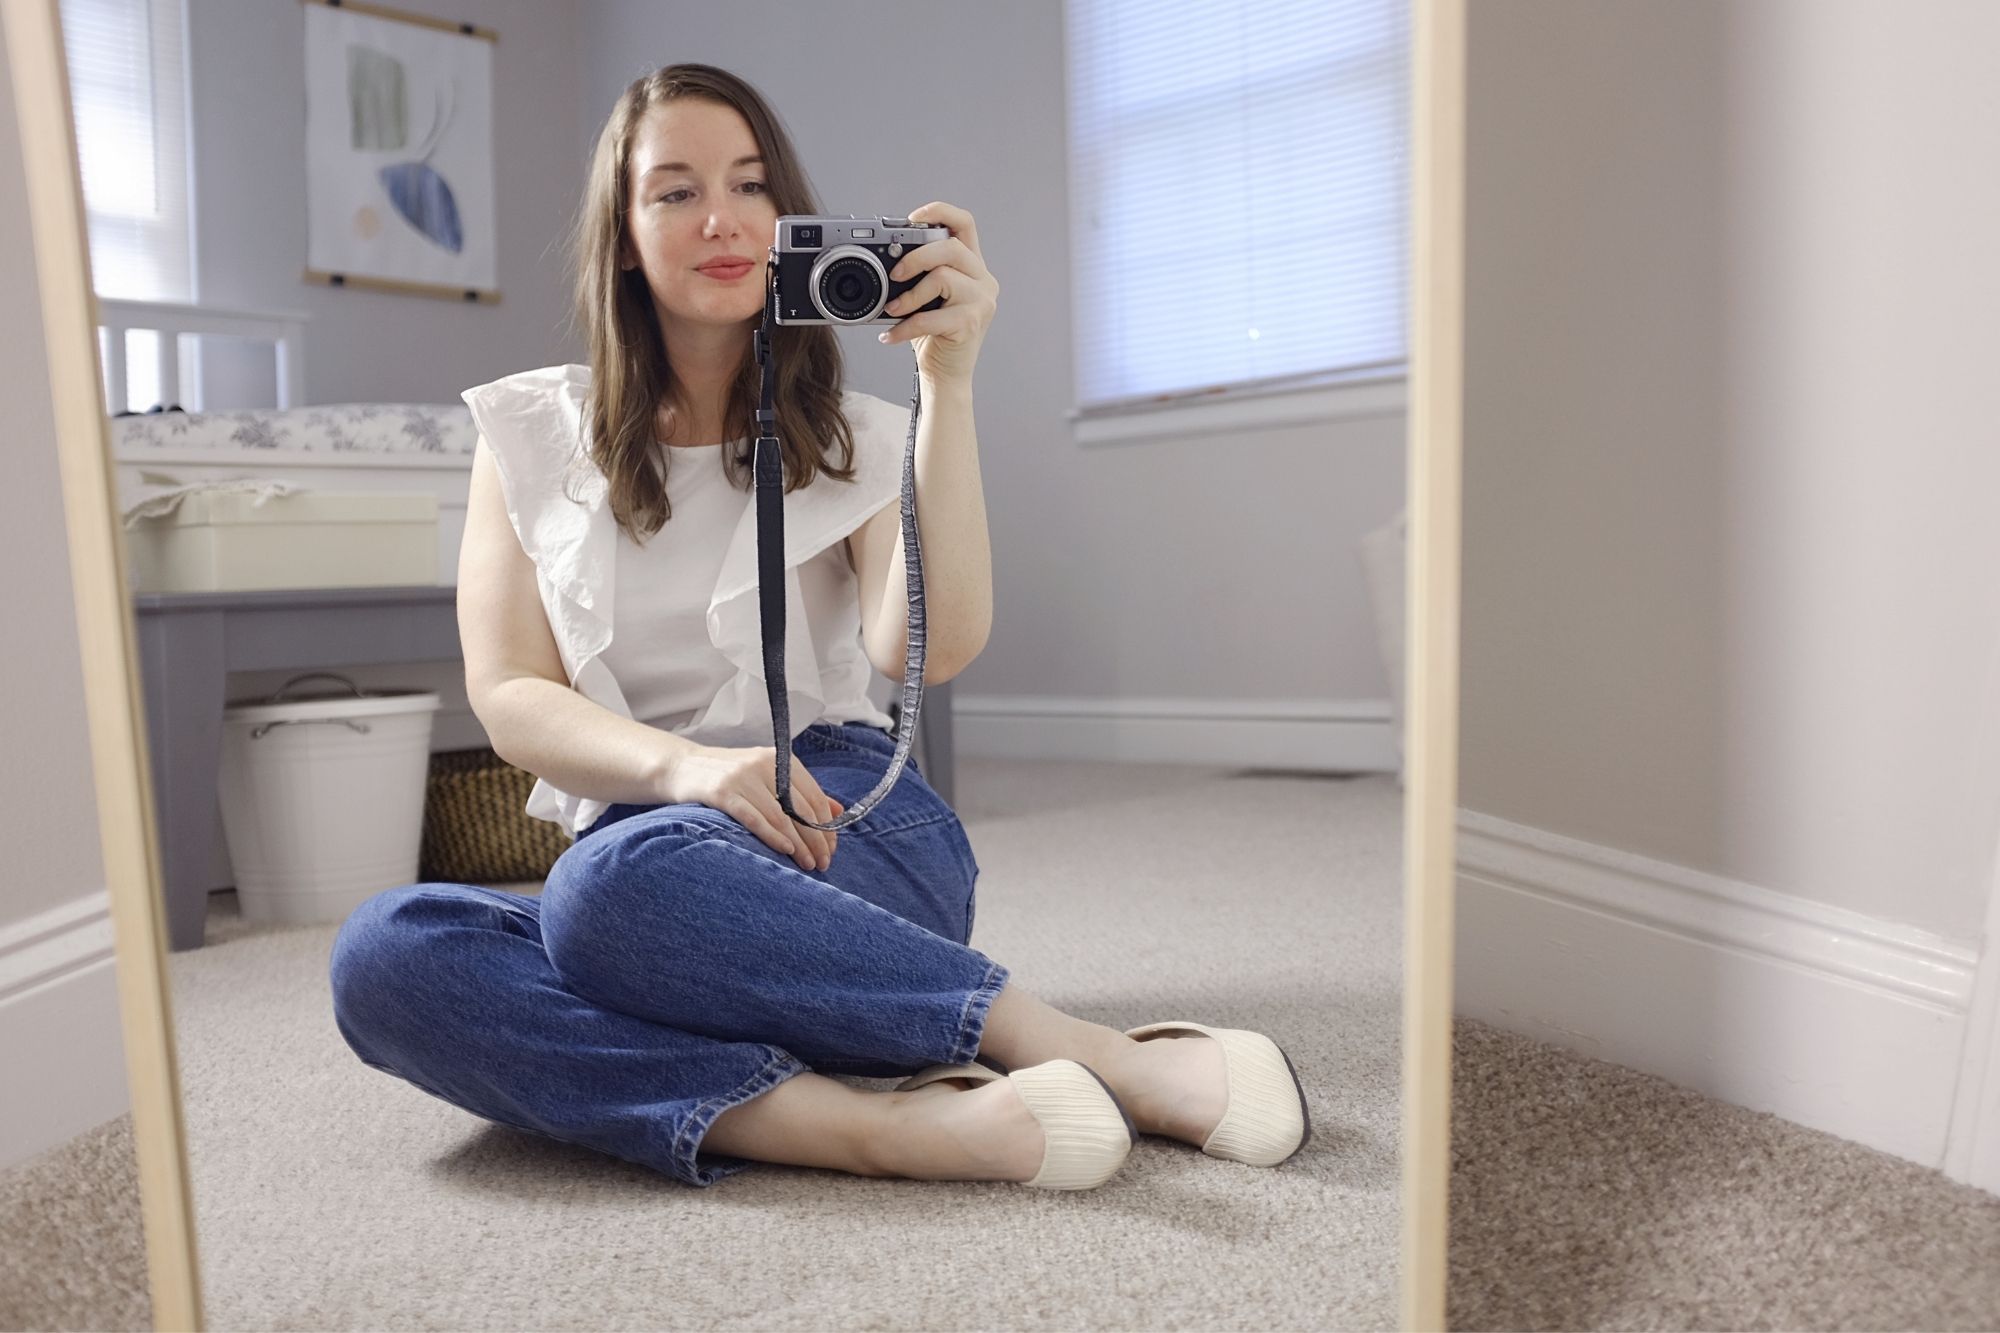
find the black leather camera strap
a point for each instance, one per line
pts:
(770, 465)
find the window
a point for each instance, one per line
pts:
(128, 92)
(1238, 194)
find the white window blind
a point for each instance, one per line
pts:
(1238, 194)
(128, 93)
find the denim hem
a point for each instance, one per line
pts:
(688, 1142)
(973, 1016)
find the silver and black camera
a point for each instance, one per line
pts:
(835, 270)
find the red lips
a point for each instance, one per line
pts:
(726, 263)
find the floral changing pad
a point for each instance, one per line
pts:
(379, 428)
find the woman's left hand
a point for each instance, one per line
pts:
(947, 338)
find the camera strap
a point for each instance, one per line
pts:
(770, 468)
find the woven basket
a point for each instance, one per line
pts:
(475, 830)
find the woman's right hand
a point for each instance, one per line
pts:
(743, 783)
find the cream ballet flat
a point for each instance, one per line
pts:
(1264, 1120)
(1088, 1133)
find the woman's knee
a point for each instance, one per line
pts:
(374, 929)
(610, 891)
(384, 955)
(373, 950)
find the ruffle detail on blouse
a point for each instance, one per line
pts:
(532, 423)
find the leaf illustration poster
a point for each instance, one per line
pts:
(399, 151)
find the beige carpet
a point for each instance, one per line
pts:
(331, 1196)
(1584, 1195)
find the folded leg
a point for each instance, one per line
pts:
(448, 987)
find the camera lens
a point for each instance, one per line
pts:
(850, 289)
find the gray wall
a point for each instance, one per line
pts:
(1730, 443)
(48, 800)
(246, 70)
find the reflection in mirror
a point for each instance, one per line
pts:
(487, 901)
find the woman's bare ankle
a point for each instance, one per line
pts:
(1021, 1030)
(981, 1133)
(1174, 1087)
(928, 1133)
(807, 1120)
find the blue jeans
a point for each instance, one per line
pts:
(675, 966)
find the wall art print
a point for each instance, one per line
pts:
(399, 152)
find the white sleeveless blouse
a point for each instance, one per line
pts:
(670, 632)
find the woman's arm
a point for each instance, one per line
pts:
(951, 506)
(958, 560)
(578, 744)
(514, 674)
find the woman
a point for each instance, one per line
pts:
(699, 965)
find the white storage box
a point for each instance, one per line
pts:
(226, 542)
(323, 798)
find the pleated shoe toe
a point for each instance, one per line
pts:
(1089, 1134)
(1264, 1121)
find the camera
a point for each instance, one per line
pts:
(835, 270)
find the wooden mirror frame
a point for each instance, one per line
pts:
(1430, 803)
(123, 782)
(125, 805)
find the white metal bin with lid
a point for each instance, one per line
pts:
(323, 797)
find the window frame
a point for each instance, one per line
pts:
(1376, 389)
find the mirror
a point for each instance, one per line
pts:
(1727, 944)
(1170, 781)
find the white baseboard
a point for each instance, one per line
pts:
(60, 1027)
(1297, 735)
(1308, 735)
(1973, 1154)
(1826, 1017)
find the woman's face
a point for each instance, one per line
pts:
(695, 199)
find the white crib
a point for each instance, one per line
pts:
(178, 326)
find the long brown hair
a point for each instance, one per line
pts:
(631, 380)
